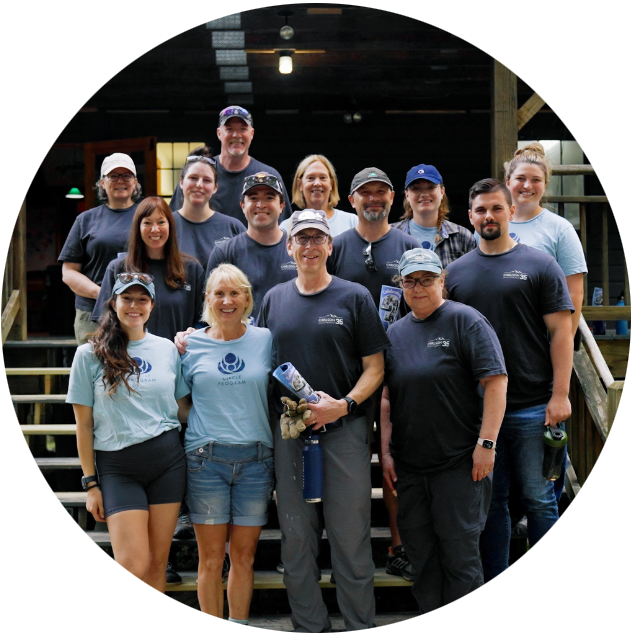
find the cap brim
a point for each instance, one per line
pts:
(222, 121)
(421, 267)
(369, 181)
(125, 286)
(421, 178)
(118, 165)
(307, 226)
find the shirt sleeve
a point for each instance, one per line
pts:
(216, 256)
(554, 294)
(482, 350)
(81, 381)
(73, 250)
(181, 387)
(570, 254)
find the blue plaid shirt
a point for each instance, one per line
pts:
(452, 242)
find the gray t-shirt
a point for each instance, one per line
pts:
(324, 335)
(129, 418)
(175, 309)
(227, 198)
(432, 371)
(199, 239)
(264, 265)
(96, 238)
(514, 290)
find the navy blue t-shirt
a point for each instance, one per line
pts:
(95, 239)
(347, 260)
(175, 309)
(264, 265)
(324, 335)
(227, 198)
(199, 239)
(514, 290)
(432, 371)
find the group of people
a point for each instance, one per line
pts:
(461, 385)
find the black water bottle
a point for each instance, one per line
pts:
(554, 445)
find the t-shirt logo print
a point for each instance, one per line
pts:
(144, 367)
(331, 319)
(231, 363)
(515, 237)
(515, 273)
(439, 342)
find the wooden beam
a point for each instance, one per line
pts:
(529, 110)
(605, 257)
(503, 118)
(9, 313)
(575, 199)
(19, 329)
(614, 393)
(584, 168)
(583, 235)
(607, 313)
(39, 371)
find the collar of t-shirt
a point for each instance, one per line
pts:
(512, 249)
(425, 235)
(355, 230)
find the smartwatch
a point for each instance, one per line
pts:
(352, 405)
(487, 443)
(88, 480)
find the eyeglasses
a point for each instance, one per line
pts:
(128, 277)
(369, 261)
(410, 283)
(209, 160)
(114, 178)
(303, 239)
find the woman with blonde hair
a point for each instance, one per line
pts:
(228, 442)
(425, 212)
(527, 176)
(316, 187)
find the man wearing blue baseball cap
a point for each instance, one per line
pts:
(425, 211)
(235, 132)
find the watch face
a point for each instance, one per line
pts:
(487, 444)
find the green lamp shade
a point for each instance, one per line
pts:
(74, 193)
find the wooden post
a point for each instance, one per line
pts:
(583, 232)
(529, 110)
(19, 329)
(503, 119)
(628, 297)
(614, 393)
(605, 258)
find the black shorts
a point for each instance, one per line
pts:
(152, 472)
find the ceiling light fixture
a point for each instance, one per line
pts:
(286, 32)
(74, 193)
(285, 64)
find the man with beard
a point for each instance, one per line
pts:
(524, 295)
(369, 254)
(234, 164)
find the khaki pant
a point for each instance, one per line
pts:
(83, 325)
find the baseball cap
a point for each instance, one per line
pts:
(262, 178)
(117, 160)
(367, 175)
(235, 111)
(304, 219)
(423, 171)
(129, 279)
(419, 259)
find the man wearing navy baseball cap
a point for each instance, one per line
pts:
(235, 131)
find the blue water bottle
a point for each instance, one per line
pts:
(312, 470)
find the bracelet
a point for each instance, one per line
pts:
(93, 486)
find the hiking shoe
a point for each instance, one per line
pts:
(398, 564)
(280, 567)
(184, 529)
(172, 577)
(226, 567)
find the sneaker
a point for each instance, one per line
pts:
(398, 564)
(172, 577)
(280, 567)
(184, 529)
(226, 567)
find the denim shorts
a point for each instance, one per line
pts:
(230, 483)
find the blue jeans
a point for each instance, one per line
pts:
(520, 453)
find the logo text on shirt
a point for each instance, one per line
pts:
(289, 265)
(439, 342)
(515, 273)
(331, 319)
(392, 265)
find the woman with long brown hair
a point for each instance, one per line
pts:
(425, 211)
(124, 387)
(178, 278)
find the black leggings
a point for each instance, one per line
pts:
(142, 475)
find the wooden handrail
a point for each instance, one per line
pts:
(572, 169)
(10, 312)
(613, 312)
(595, 354)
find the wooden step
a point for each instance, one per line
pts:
(282, 623)
(48, 429)
(39, 399)
(56, 463)
(39, 371)
(40, 343)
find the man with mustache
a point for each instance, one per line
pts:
(234, 164)
(524, 295)
(369, 254)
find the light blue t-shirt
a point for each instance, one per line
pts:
(553, 235)
(130, 418)
(425, 235)
(340, 222)
(229, 388)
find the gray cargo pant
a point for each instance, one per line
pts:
(347, 514)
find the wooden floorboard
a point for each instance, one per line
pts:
(283, 623)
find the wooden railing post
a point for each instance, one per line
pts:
(614, 393)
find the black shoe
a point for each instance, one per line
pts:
(398, 564)
(280, 567)
(172, 577)
(226, 567)
(184, 529)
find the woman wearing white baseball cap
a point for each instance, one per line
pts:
(98, 236)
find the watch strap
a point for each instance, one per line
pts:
(487, 443)
(352, 405)
(87, 480)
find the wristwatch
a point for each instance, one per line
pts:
(487, 443)
(88, 480)
(352, 405)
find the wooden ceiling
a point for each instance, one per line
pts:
(373, 61)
